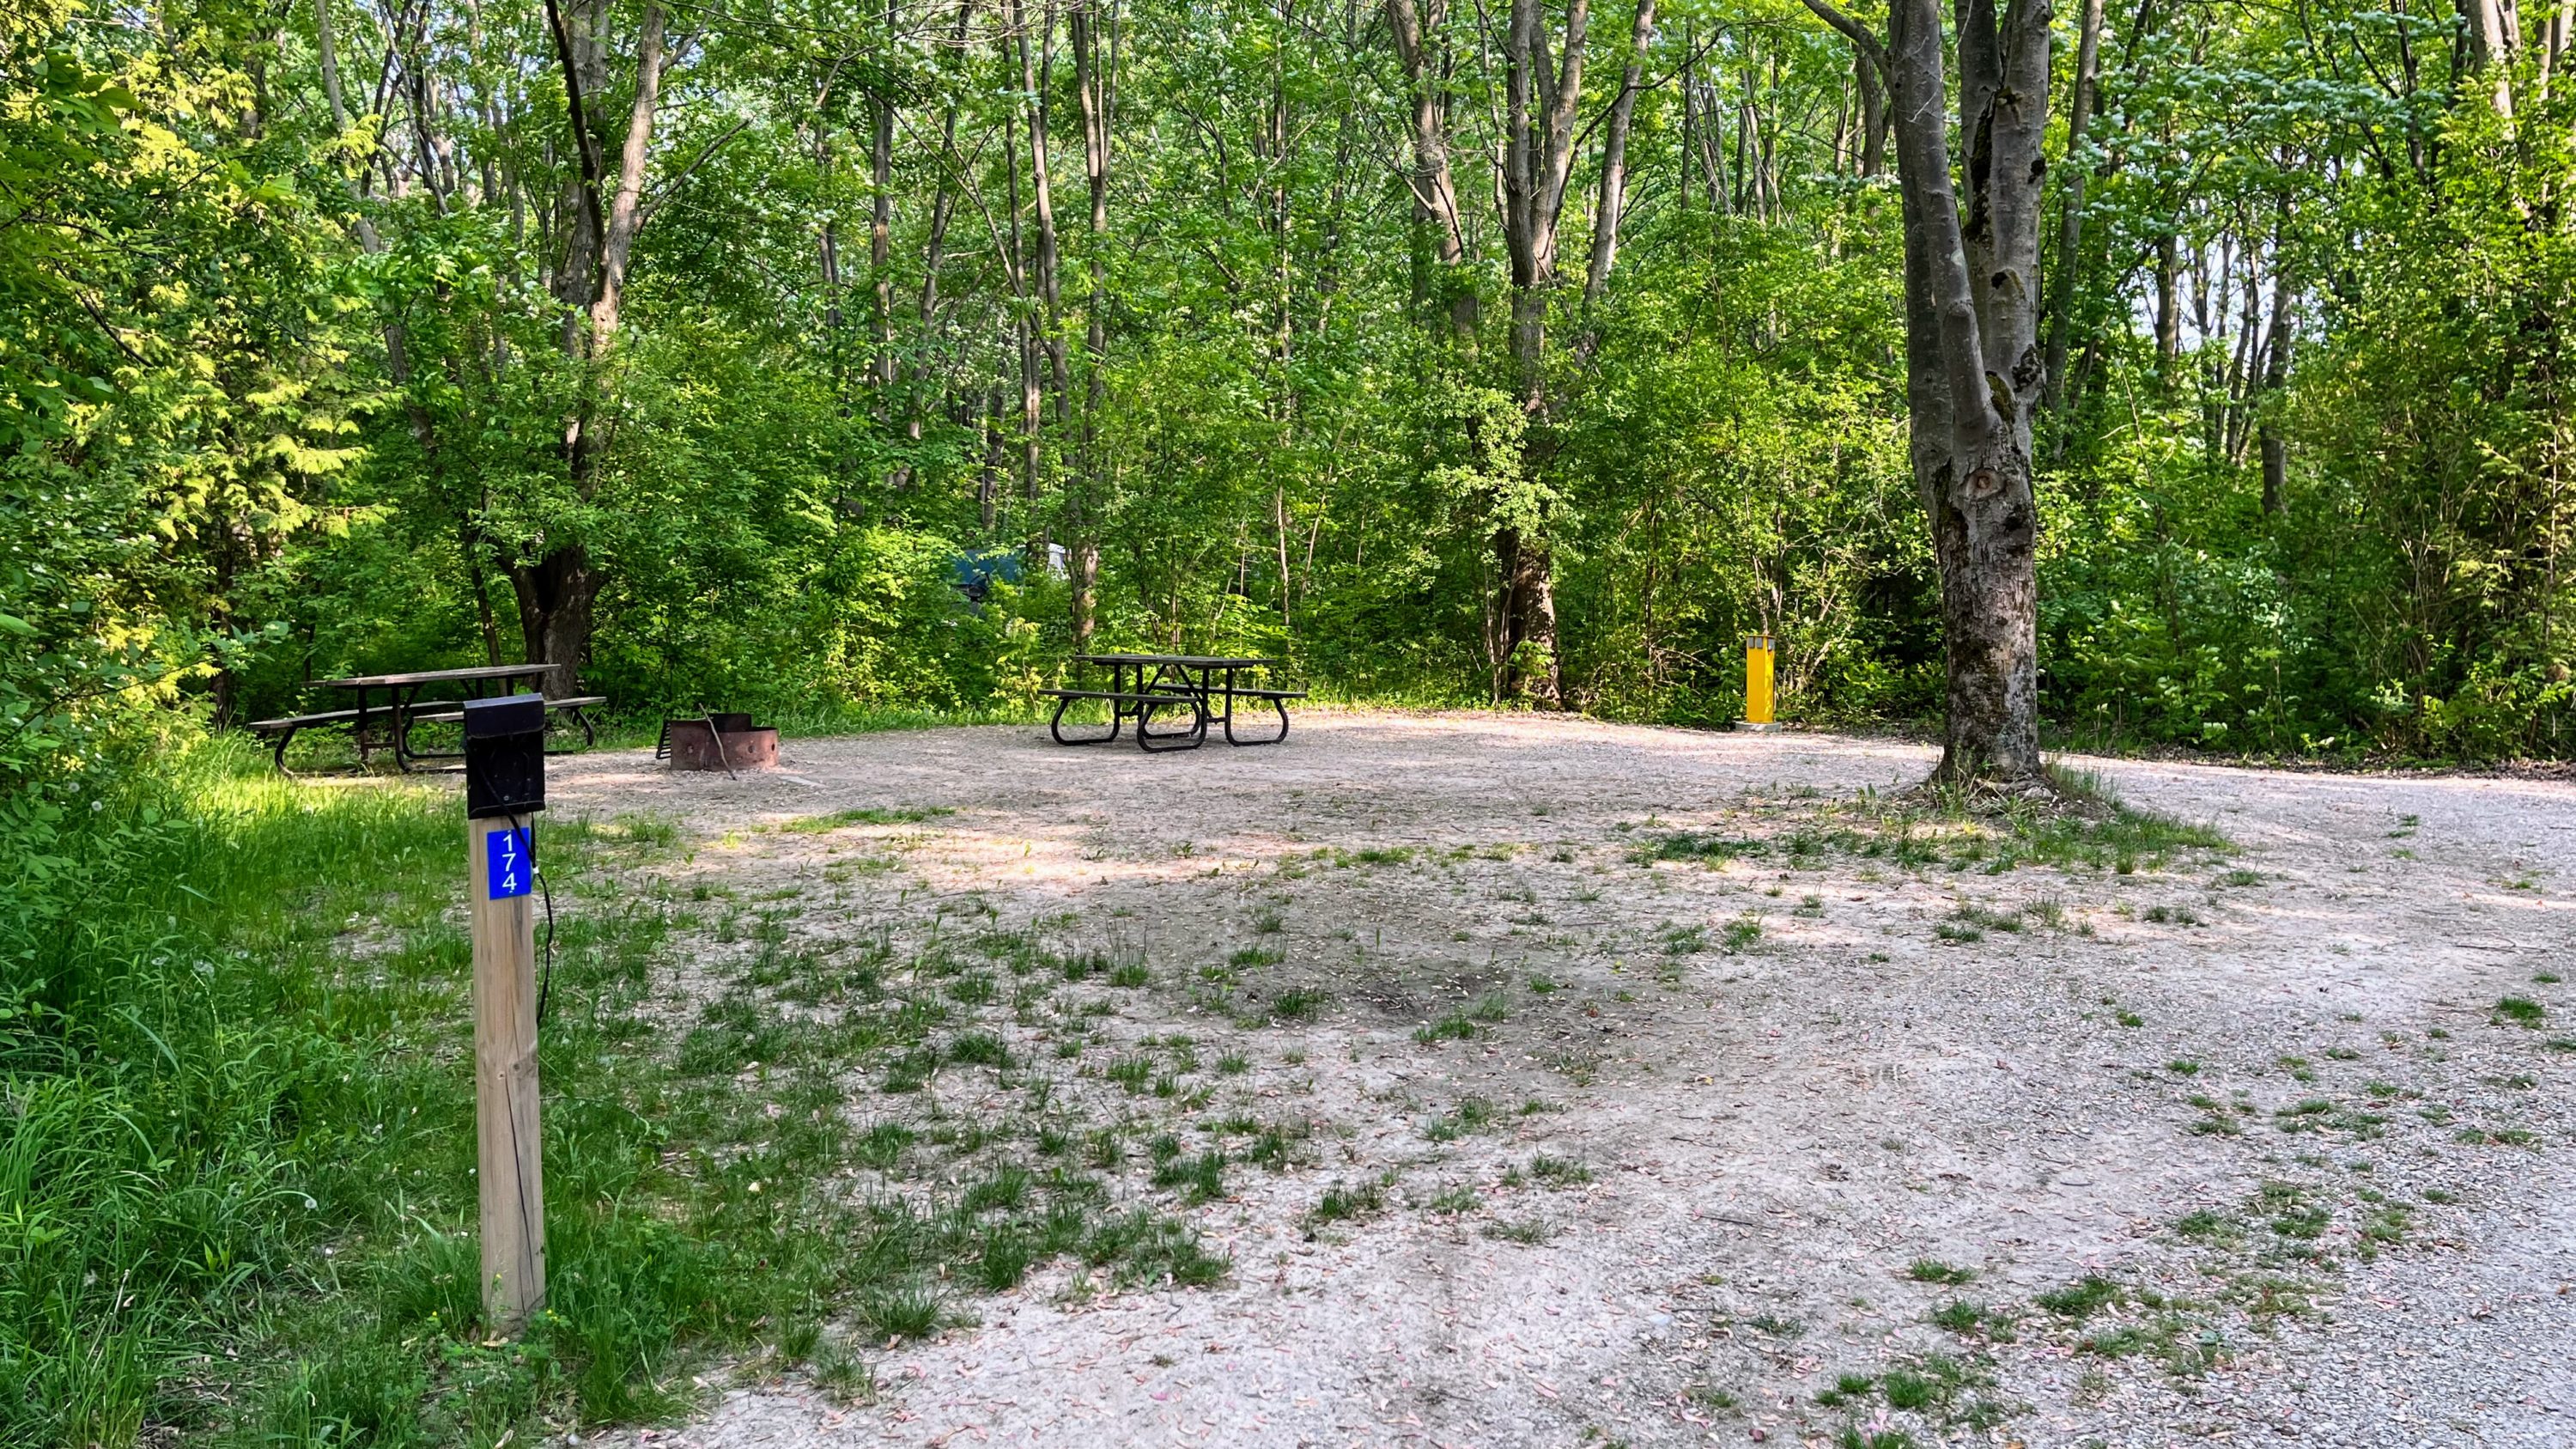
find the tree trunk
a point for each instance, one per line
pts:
(1528, 619)
(2494, 35)
(934, 247)
(555, 596)
(881, 217)
(557, 590)
(2274, 449)
(1093, 81)
(828, 248)
(1037, 71)
(2168, 308)
(2070, 226)
(1543, 92)
(1614, 160)
(1873, 113)
(1024, 315)
(2553, 45)
(1435, 190)
(1973, 364)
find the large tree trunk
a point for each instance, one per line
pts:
(2494, 35)
(556, 591)
(1973, 363)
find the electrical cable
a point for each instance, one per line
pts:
(528, 836)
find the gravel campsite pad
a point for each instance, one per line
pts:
(1549, 1082)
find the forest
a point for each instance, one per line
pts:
(1457, 354)
(2149, 375)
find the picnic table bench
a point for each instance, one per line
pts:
(1143, 685)
(390, 723)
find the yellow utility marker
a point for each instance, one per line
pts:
(1757, 686)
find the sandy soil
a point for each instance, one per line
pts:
(1777, 1125)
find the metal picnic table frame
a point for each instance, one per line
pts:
(1142, 685)
(403, 706)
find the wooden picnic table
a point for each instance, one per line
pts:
(1206, 686)
(402, 707)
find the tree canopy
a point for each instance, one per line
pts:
(1487, 353)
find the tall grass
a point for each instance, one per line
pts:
(193, 1103)
(236, 1169)
(236, 1191)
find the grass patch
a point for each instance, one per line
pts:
(1559, 1171)
(2086, 829)
(1295, 1004)
(838, 819)
(1341, 1204)
(2520, 1010)
(1473, 1114)
(1687, 846)
(1742, 932)
(1979, 918)
(2080, 1299)
(1456, 1026)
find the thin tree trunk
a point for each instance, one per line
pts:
(881, 217)
(1092, 82)
(1614, 160)
(988, 484)
(2070, 225)
(1873, 112)
(2553, 45)
(1037, 69)
(1543, 92)
(2274, 448)
(2168, 307)
(934, 248)
(1435, 190)
(828, 248)
(1024, 330)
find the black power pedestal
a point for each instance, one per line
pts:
(505, 756)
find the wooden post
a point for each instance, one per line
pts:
(508, 1173)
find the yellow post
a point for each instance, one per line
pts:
(1757, 685)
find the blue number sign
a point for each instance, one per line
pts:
(511, 863)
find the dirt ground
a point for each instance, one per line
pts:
(2237, 1144)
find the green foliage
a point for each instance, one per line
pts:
(277, 404)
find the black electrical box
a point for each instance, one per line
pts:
(505, 756)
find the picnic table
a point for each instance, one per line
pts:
(390, 722)
(1141, 686)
